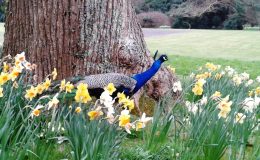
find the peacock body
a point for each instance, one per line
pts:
(123, 83)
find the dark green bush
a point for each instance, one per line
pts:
(234, 22)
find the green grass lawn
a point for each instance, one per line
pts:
(193, 48)
(185, 65)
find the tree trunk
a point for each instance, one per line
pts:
(81, 37)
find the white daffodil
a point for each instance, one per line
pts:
(20, 57)
(145, 119)
(177, 86)
(249, 82)
(192, 107)
(54, 102)
(128, 127)
(244, 76)
(258, 79)
(141, 123)
(204, 100)
(240, 117)
(105, 97)
(110, 118)
(237, 80)
(250, 104)
(192, 75)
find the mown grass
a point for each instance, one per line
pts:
(229, 45)
(185, 65)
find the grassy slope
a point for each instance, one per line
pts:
(239, 49)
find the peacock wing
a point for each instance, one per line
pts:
(102, 80)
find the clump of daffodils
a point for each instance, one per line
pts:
(212, 67)
(106, 108)
(11, 71)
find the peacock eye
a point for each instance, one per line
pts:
(164, 58)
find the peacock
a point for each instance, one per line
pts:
(129, 85)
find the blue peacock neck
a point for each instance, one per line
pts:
(142, 78)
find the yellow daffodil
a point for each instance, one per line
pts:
(82, 95)
(207, 74)
(139, 125)
(47, 84)
(62, 85)
(1, 92)
(6, 67)
(15, 73)
(95, 114)
(31, 93)
(121, 97)
(69, 87)
(250, 93)
(201, 76)
(4, 77)
(40, 89)
(200, 82)
(124, 118)
(78, 110)
(257, 91)
(36, 112)
(17, 63)
(110, 88)
(211, 66)
(222, 114)
(216, 95)
(54, 74)
(127, 103)
(218, 76)
(197, 90)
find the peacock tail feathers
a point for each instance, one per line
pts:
(102, 80)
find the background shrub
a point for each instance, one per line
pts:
(234, 22)
(153, 19)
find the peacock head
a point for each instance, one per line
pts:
(162, 58)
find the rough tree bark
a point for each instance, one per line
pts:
(81, 37)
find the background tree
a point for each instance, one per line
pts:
(81, 38)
